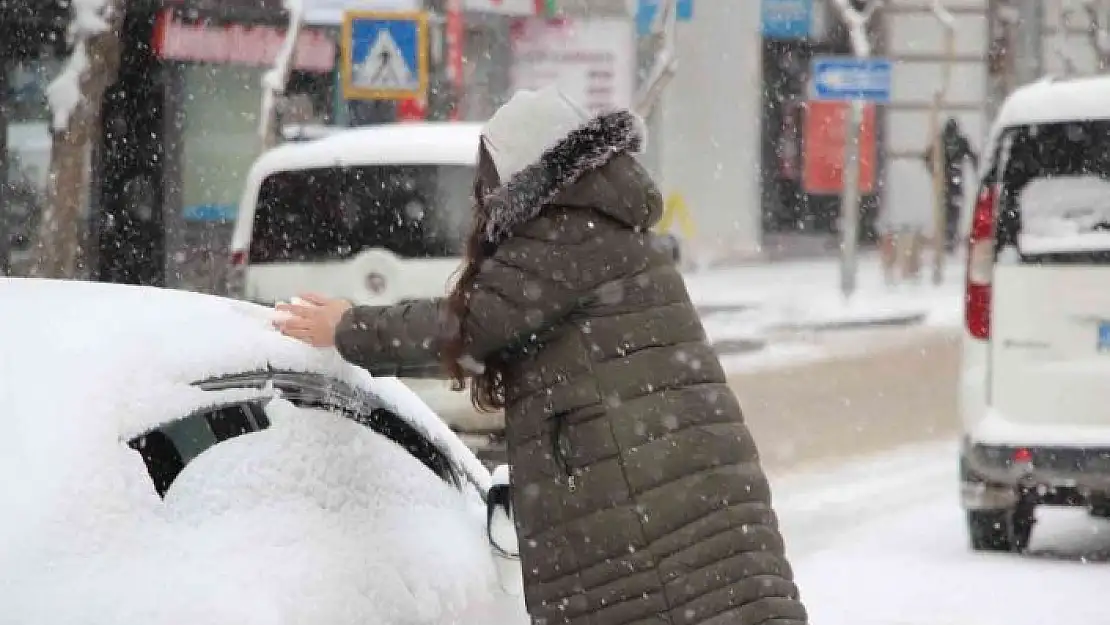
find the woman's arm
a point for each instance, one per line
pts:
(402, 340)
(513, 298)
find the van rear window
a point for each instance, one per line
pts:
(1055, 205)
(414, 211)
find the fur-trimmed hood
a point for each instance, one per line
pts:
(552, 177)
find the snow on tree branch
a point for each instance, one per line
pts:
(1098, 30)
(856, 20)
(948, 23)
(943, 15)
(273, 81)
(88, 18)
(665, 64)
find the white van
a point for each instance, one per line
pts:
(1035, 396)
(376, 215)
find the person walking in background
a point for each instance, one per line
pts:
(955, 150)
(638, 493)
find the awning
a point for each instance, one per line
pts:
(317, 12)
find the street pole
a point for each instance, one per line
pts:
(856, 20)
(940, 204)
(849, 201)
(1029, 41)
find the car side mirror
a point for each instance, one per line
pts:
(500, 527)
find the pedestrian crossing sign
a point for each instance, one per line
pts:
(385, 55)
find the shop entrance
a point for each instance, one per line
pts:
(128, 222)
(796, 222)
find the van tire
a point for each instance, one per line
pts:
(1001, 530)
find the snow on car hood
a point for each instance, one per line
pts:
(315, 520)
(88, 365)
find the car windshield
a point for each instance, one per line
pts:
(414, 211)
(1056, 191)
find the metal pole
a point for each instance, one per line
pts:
(6, 230)
(940, 171)
(1029, 41)
(849, 200)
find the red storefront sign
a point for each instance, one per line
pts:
(825, 124)
(239, 44)
(456, 40)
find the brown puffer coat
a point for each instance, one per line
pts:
(638, 493)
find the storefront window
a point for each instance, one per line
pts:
(28, 154)
(220, 138)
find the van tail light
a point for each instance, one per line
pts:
(980, 265)
(239, 258)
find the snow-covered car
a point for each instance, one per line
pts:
(168, 457)
(376, 215)
(1036, 353)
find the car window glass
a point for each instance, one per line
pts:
(169, 448)
(413, 211)
(1056, 191)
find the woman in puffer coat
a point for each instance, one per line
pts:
(637, 489)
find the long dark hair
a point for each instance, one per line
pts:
(487, 386)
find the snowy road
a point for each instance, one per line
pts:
(881, 542)
(863, 392)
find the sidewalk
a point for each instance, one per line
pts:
(747, 305)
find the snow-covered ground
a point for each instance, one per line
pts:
(881, 541)
(782, 295)
(789, 313)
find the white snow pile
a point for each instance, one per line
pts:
(316, 519)
(1060, 215)
(312, 520)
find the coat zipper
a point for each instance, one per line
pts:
(560, 457)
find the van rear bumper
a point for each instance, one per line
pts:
(991, 479)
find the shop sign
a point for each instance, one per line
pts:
(239, 44)
(591, 60)
(330, 12)
(825, 125)
(519, 8)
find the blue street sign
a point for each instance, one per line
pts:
(786, 19)
(210, 212)
(645, 13)
(385, 55)
(849, 78)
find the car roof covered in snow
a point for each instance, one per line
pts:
(437, 143)
(1056, 100)
(409, 143)
(127, 358)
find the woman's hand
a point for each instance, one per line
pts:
(313, 322)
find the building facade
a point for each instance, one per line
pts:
(915, 39)
(30, 55)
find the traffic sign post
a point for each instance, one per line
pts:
(384, 55)
(855, 80)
